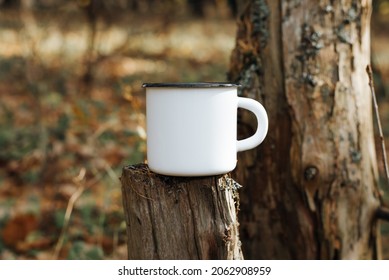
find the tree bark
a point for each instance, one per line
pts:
(180, 218)
(311, 188)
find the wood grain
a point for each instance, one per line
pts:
(311, 186)
(180, 217)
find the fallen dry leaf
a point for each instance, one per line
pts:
(17, 229)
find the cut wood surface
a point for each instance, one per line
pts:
(180, 217)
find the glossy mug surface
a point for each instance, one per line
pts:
(192, 127)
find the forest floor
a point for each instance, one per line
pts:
(72, 115)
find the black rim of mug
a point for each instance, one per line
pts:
(192, 85)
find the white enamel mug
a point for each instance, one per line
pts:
(192, 127)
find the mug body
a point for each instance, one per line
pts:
(191, 128)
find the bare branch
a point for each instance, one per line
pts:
(81, 187)
(383, 148)
(69, 210)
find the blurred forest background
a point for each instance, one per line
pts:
(72, 109)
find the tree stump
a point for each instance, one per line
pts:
(180, 217)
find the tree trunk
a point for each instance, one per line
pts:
(180, 218)
(311, 188)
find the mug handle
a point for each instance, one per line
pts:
(263, 123)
